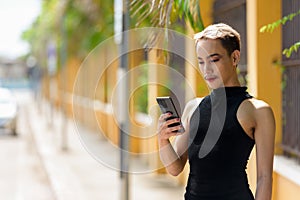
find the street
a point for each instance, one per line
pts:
(22, 173)
(34, 166)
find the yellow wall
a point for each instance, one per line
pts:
(284, 189)
(263, 49)
(265, 81)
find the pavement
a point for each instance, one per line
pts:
(75, 173)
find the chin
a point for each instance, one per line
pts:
(214, 85)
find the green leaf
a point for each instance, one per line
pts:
(199, 20)
(190, 18)
(186, 6)
(294, 48)
(270, 27)
(284, 52)
(291, 16)
(263, 29)
(178, 4)
(284, 20)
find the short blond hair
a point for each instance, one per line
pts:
(229, 37)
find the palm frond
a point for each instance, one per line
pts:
(163, 13)
(138, 7)
(187, 9)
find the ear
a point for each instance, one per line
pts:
(235, 56)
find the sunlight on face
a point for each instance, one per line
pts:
(215, 64)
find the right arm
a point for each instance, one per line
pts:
(175, 158)
(171, 159)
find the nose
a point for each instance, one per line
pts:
(207, 68)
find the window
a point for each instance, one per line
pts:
(291, 82)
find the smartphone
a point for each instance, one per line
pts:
(166, 105)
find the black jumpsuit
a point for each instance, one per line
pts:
(220, 173)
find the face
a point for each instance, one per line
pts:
(217, 67)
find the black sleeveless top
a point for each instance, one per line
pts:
(219, 148)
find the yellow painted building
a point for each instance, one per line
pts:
(264, 82)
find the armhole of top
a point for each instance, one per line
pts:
(237, 120)
(189, 110)
(192, 106)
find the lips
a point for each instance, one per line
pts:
(210, 77)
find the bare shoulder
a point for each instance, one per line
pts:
(192, 103)
(181, 141)
(258, 103)
(190, 107)
(253, 114)
(255, 105)
(258, 109)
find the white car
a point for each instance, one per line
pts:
(8, 111)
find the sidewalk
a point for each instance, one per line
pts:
(75, 175)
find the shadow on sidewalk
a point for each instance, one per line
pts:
(89, 172)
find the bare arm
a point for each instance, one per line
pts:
(173, 161)
(264, 139)
(174, 157)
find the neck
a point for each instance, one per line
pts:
(228, 85)
(233, 83)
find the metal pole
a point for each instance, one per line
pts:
(124, 106)
(63, 54)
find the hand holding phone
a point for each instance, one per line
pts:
(166, 105)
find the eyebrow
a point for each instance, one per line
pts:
(211, 55)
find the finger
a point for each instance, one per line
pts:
(165, 125)
(164, 117)
(168, 114)
(170, 129)
(161, 117)
(172, 121)
(175, 128)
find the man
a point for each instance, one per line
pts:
(221, 128)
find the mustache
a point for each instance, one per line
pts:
(210, 76)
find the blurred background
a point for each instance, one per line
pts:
(59, 66)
